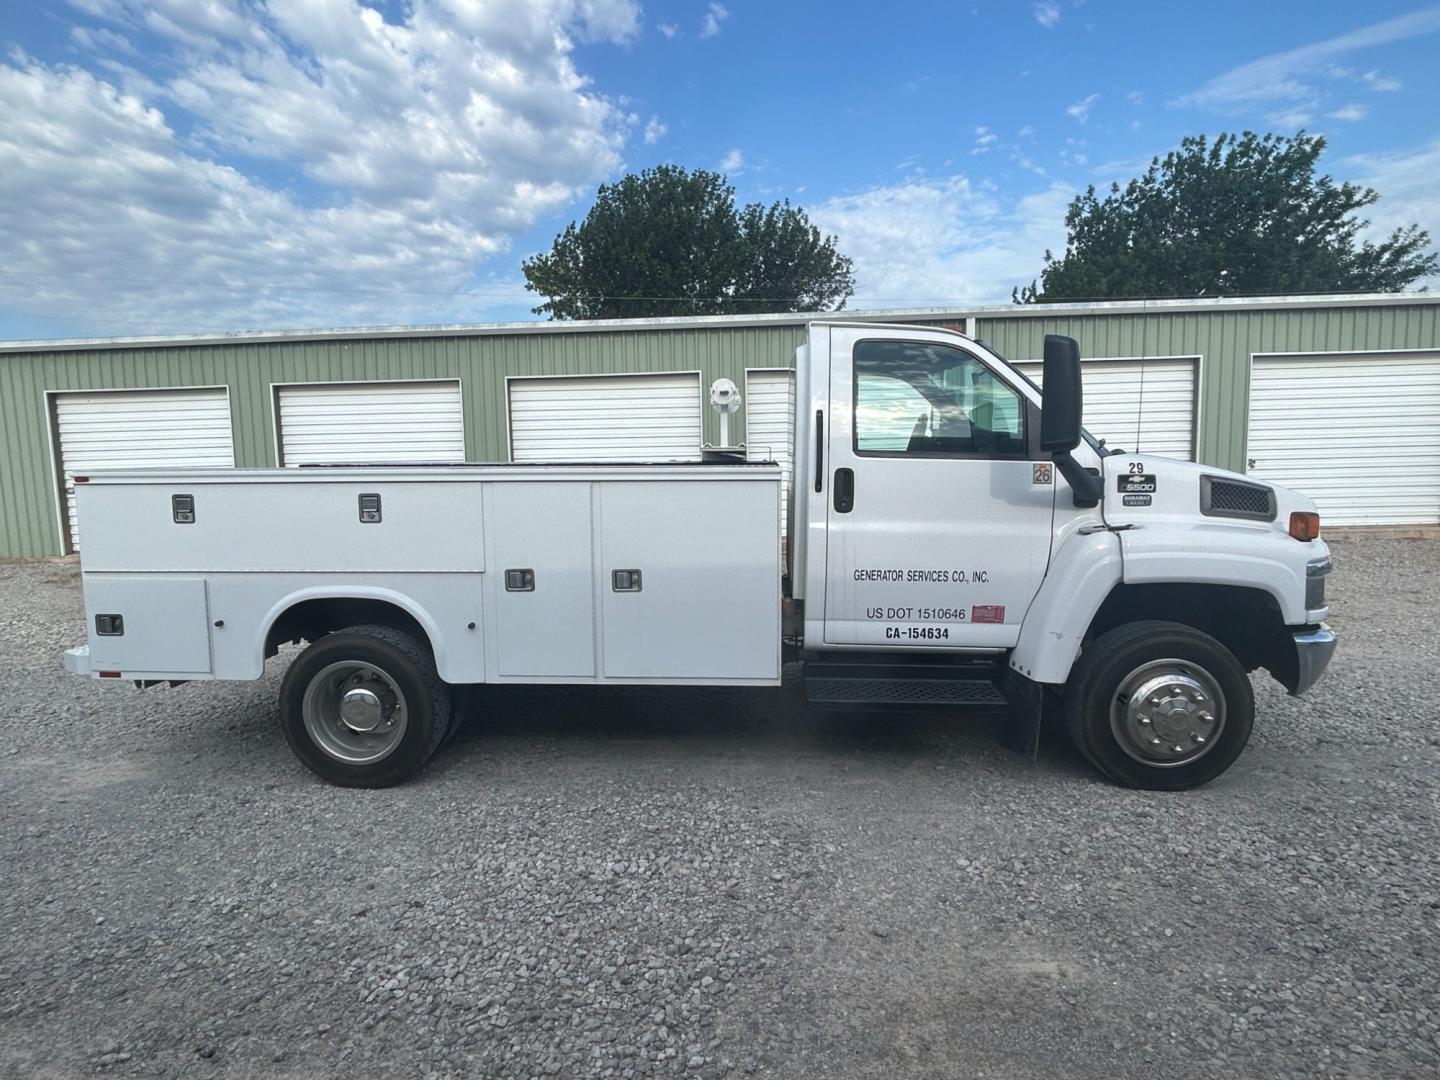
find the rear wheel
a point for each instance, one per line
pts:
(1159, 705)
(365, 707)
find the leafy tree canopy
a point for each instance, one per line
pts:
(1245, 215)
(669, 241)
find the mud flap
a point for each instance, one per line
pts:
(1017, 728)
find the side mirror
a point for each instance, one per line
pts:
(1063, 400)
(1062, 404)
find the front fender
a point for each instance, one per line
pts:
(1083, 571)
(1213, 553)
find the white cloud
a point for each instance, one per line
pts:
(935, 241)
(1350, 112)
(1121, 170)
(1081, 109)
(1381, 83)
(655, 130)
(985, 140)
(670, 30)
(98, 39)
(1135, 97)
(1292, 118)
(1409, 185)
(711, 20)
(1028, 164)
(1047, 14)
(1281, 77)
(732, 162)
(1025, 132)
(393, 158)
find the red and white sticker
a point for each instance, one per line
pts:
(987, 613)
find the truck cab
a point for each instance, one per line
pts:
(947, 511)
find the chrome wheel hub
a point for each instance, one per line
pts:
(355, 712)
(1168, 713)
(361, 709)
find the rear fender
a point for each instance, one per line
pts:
(358, 592)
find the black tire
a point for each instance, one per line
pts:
(1095, 688)
(408, 662)
(463, 703)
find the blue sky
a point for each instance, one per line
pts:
(197, 165)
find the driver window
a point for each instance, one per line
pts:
(913, 398)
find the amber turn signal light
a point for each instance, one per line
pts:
(1304, 525)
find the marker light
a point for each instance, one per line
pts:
(1304, 525)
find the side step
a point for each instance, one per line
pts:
(883, 682)
(888, 682)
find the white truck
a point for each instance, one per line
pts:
(955, 539)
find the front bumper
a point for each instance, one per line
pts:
(1313, 649)
(77, 660)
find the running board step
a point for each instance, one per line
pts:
(867, 680)
(884, 682)
(827, 690)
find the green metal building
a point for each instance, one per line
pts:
(1338, 396)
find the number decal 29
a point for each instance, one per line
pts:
(1136, 467)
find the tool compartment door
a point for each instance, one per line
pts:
(542, 568)
(165, 624)
(705, 603)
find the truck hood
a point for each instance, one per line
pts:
(1143, 488)
(1182, 522)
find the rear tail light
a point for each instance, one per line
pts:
(1304, 525)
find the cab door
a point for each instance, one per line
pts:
(939, 504)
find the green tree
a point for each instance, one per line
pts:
(1243, 216)
(670, 241)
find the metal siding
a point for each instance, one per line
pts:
(1225, 339)
(1358, 434)
(379, 422)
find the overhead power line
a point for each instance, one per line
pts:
(495, 293)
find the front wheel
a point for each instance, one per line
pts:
(1159, 705)
(364, 707)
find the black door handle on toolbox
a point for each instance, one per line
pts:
(844, 490)
(819, 450)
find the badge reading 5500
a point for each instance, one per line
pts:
(1137, 484)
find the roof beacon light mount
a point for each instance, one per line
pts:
(724, 399)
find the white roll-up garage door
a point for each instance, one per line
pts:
(1359, 434)
(770, 427)
(140, 429)
(1113, 406)
(388, 423)
(606, 418)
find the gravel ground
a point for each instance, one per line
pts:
(713, 883)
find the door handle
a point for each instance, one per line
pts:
(819, 450)
(844, 490)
